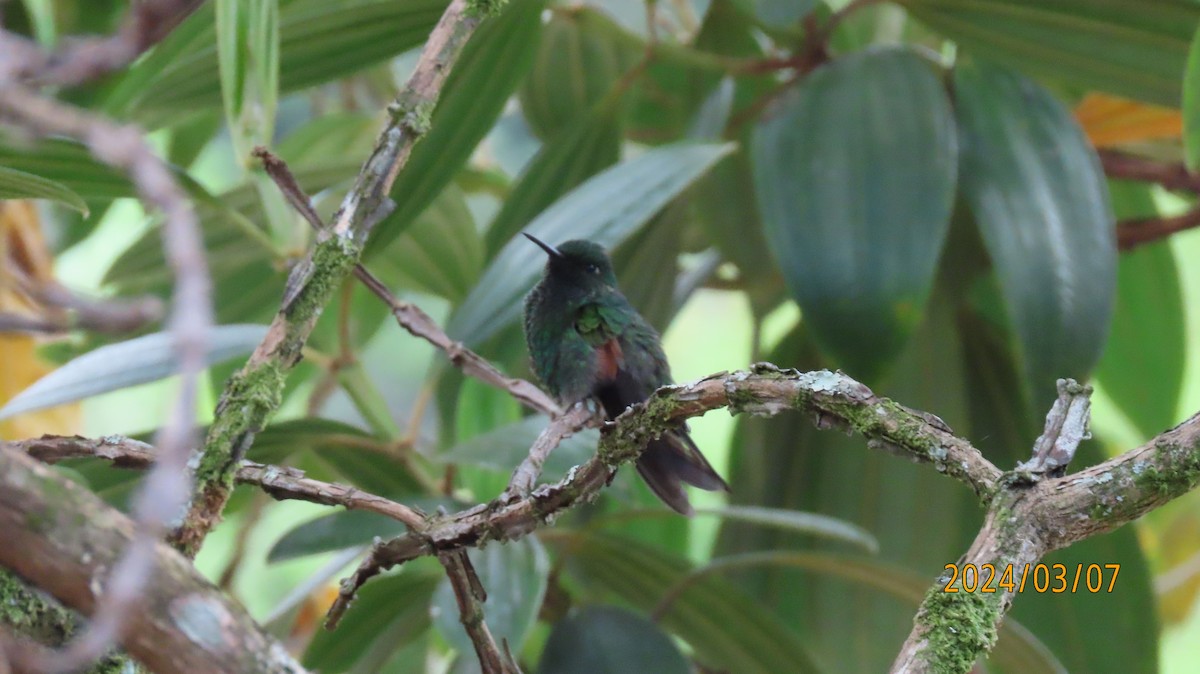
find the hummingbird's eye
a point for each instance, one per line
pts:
(593, 269)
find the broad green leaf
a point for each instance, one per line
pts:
(388, 613)
(16, 184)
(68, 163)
(319, 41)
(1036, 188)
(1143, 362)
(606, 209)
(856, 225)
(609, 640)
(282, 439)
(1077, 626)
(514, 575)
(724, 626)
(117, 366)
(1191, 105)
(474, 96)
(779, 13)
(591, 145)
(503, 448)
(582, 54)
(335, 531)
(441, 254)
(1133, 49)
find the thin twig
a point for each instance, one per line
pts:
(409, 316)
(470, 595)
(1173, 176)
(526, 474)
(165, 489)
(1140, 231)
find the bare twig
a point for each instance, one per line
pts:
(1066, 427)
(525, 476)
(409, 316)
(84, 59)
(834, 399)
(1172, 176)
(166, 487)
(470, 595)
(280, 483)
(64, 539)
(1135, 232)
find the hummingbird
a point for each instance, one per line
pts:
(587, 342)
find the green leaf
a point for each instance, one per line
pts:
(724, 626)
(503, 448)
(319, 41)
(582, 54)
(389, 613)
(605, 209)
(474, 96)
(335, 531)
(780, 13)
(591, 145)
(1036, 188)
(609, 640)
(441, 254)
(68, 163)
(514, 574)
(124, 364)
(248, 64)
(1191, 105)
(1133, 49)
(1143, 362)
(16, 184)
(856, 225)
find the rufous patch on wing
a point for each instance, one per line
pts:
(609, 359)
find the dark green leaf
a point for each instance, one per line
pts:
(503, 448)
(725, 627)
(1191, 105)
(514, 574)
(582, 54)
(579, 152)
(68, 163)
(1143, 362)
(16, 184)
(1036, 188)
(609, 640)
(856, 225)
(441, 254)
(389, 612)
(319, 41)
(474, 95)
(336, 531)
(124, 364)
(606, 209)
(1134, 49)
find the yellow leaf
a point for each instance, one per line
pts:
(24, 255)
(1109, 120)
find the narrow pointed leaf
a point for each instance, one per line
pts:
(117, 366)
(16, 184)
(855, 223)
(609, 640)
(474, 96)
(605, 209)
(1036, 188)
(1133, 49)
(441, 254)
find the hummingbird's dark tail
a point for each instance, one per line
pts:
(672, 460)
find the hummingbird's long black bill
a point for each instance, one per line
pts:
(550, 250)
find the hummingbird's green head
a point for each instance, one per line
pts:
(578, 264)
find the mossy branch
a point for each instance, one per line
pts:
(255, 392)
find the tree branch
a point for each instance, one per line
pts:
(64, 539)
(1030, 517)
(254, 393)
(835, 399)
(470, 595)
